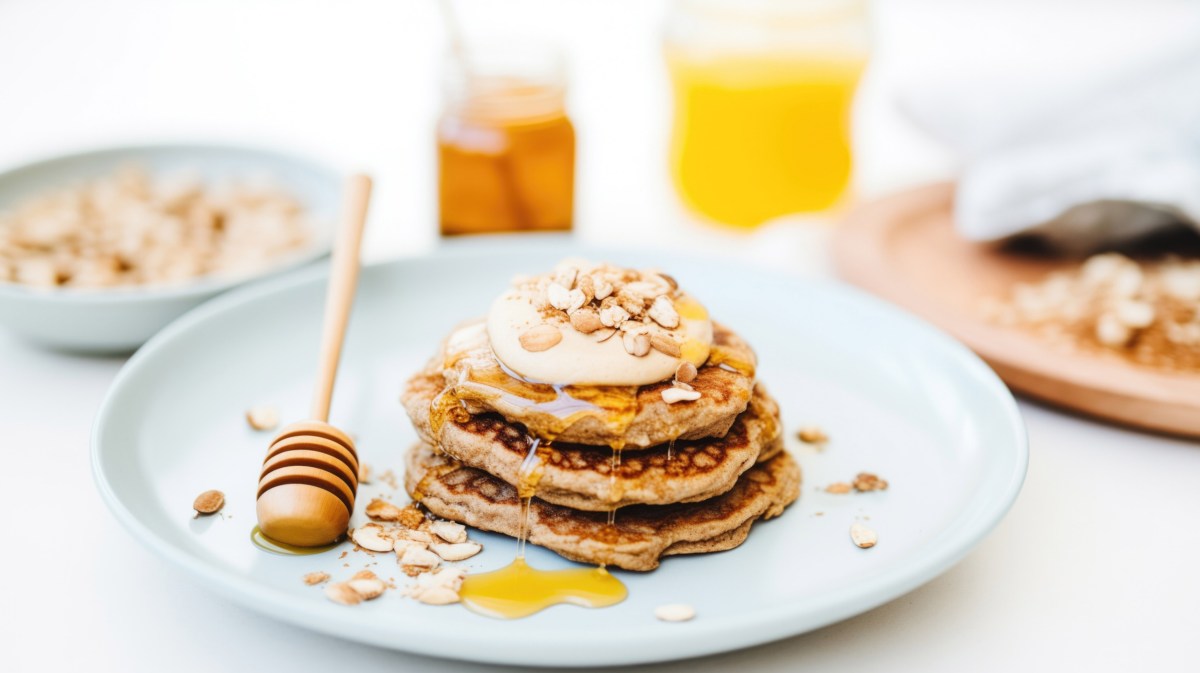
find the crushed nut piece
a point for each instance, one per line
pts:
(586, 320)
(208, 502)
(316, 578)
(685, 372)
(364, 473)
(663, 312)
(540, 338)
(262, 417)
(342, 593)
(675, 394)
(456, 552)
(411, 517)
(382, 510)
(372, 537)
(664, 344)
(674, 612)
(439, 588)
(636, 344)
(558, 296)
(812, 435)
(366, 585)
(863, 537)
(450, 531)
(418, 557)
(865, 481)
(838, 488)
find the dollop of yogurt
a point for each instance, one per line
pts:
(634, 308)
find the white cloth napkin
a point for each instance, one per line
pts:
(1087, 157)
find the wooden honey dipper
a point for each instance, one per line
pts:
(310, 475)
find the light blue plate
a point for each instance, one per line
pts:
(897, 397)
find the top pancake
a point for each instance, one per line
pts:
(623, 417)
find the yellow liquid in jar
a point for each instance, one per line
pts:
(762, 135)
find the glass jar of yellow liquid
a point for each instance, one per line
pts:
(506, 148)
(763, 90)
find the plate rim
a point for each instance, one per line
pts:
(701, 638)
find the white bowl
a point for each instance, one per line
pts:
(114, 320)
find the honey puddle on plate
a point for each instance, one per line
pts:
(519, 590)
(261, 541)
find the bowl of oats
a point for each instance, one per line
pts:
(101, 249)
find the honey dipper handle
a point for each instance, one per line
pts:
(343, 279)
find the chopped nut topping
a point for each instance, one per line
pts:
(540, 338)
(675, 394)
(419, 558)
(586, 320)
(558, 296)
(664, 344)
(663, 312)
(865, 481)
(316, 578)
(636, 343)
(863, 537)
(262, 417)
(612, 314)
(838, 488)
(674, 612)
(208, 502)
(685, 372)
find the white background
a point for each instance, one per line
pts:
(1093, 569)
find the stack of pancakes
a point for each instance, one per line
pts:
(602, 474)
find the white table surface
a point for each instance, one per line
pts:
(1094, 568)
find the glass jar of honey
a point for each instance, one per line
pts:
(506, 148)
(763, 90)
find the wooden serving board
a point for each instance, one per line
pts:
(904, 248)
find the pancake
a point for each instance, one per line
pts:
(626, 417)
(582, 477)
(641, 535)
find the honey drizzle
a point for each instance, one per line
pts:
(724, 358)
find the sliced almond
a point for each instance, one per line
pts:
(372, 537)
(456, 552)
(262, 417)
(402, 545)
(685, 372)
(663, 312)
(316, 578)
(540, 338)
(450, 531)
(863, 537)
(342, 593)
(665, 344)
(672, 395)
